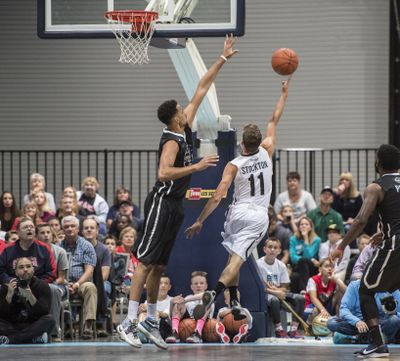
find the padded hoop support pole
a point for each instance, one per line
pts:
(190, 67)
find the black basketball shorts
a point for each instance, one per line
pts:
(163, 218)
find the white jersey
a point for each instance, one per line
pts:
(253, 181)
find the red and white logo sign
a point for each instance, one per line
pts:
(194, 194)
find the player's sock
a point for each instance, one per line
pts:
(376, 335)
(233, 294)
(220, 287)
(278, 327)
(199, 325)
(133, 310)
(152, 311)
(294, 326)
(175, 323)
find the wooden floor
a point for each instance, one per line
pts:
(117, 351)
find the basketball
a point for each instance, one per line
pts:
(231, 325)
(209, 331)
(320, 326)
(284, 61)
(186, 328)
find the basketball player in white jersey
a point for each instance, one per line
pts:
(247, 218)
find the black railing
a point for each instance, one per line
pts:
(137, 169)
(134, 169)
(321, 167)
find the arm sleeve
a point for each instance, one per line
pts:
(278, 204)
(309, 202)
(348, 303)
(50, 267)
(4, 277)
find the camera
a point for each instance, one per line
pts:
(389, 305)
(288, 218)
(22, 283)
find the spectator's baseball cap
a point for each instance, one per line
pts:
(327, 189)
(333, 228)
(125, 203)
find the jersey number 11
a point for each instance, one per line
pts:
(252, 185)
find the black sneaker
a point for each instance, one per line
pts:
(237, 311)
(151, 329)
(373, 351)
(201, 309)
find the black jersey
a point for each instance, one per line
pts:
(389, 208)
(176, 188)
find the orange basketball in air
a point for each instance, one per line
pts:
(284, 61)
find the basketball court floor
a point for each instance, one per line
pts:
(118, 351)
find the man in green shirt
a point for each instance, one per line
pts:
(323, 216)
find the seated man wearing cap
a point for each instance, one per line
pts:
(324, 215)
(334, 239)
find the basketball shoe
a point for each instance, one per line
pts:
(173, 338)
(151, 329)
(201, 309)
(372, 351)
(127, 331)
(243, 330)
(195, 338)
(220, 329)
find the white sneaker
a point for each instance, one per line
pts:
(127, 331)
(151, 329)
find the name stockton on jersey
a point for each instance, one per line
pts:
(254, 167)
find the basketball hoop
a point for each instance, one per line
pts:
(133, 40)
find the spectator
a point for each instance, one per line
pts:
(71, 192)
(91, 203)
(55, 225)
(59, 288)
(325, 249)
(275, 276)
(276, 230)
(350, 321)
(39, 197)
(347, 200)
(27, 246)
(8, 211)
(121, 222)
(101, 272)
(117, 274)
(30, 210)
(82, 263)
(322, 292)
(324, 215)
(301, 200)
(127, 239)
(303, 249)
(362, 242)
(287, 219)
(11, 236)
(24, 307)
(121, 194)
(362, 261)
(182, 307)
(38, 183)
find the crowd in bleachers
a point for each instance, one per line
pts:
(81, 247)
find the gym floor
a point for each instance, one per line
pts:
(106, 351)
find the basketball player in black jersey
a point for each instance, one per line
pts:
(163, 206)
(383, 272)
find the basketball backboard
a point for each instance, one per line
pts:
(178, 18)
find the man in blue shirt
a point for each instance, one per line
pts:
(350, 321)
(82, 262)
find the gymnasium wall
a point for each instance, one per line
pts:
(73, 94)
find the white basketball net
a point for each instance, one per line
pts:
(133, 42)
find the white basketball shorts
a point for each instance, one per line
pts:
(245, 226)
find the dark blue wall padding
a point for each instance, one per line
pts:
(205, 251)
